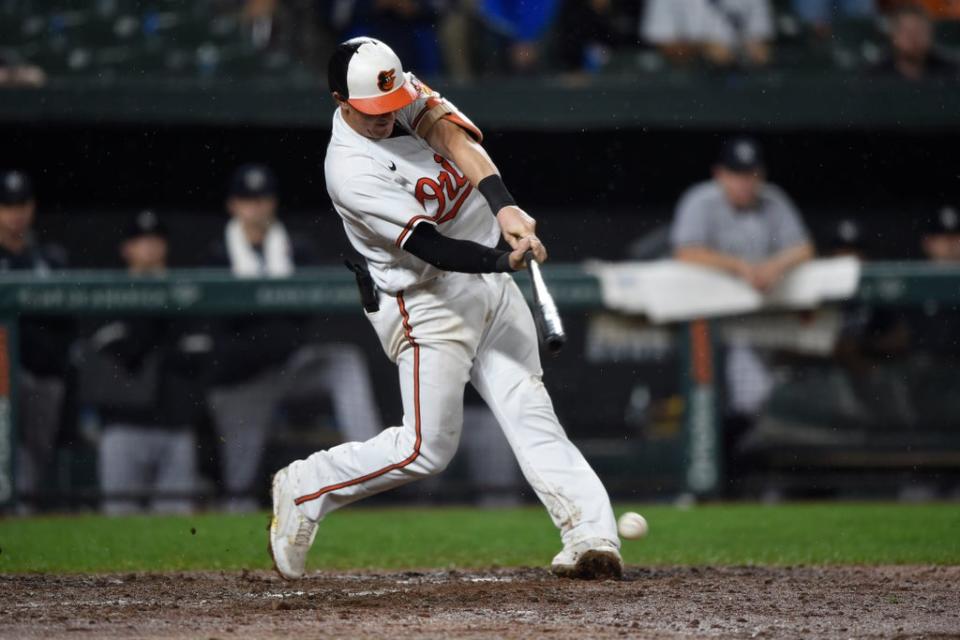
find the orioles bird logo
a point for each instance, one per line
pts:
(385, 79)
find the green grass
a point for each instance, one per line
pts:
(361, 538)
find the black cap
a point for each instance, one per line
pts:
(742, 155)
(253, 181)
(846, 234)
(15, 187)
(145, 223)
(945, 221)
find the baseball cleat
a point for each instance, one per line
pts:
(591, 559)
(291, 532)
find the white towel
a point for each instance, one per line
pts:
(277, 260)
(671, 291)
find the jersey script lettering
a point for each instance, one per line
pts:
(449, 186)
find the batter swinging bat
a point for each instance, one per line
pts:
(545, 313)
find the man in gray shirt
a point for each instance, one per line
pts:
(739, 223)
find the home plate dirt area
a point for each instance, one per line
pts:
(662, 602)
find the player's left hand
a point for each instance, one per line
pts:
(515, 224)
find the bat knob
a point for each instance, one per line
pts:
(555, 343)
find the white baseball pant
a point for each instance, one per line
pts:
(441, 334)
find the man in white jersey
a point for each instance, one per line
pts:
(425, 206)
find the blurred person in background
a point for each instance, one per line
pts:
(938, 9)
(870, 388)
(265, 22)
(913, 54)
(723, 33)
(520, 27)
(846, 239)
(142, 377)
(741, 224)
(14, 73)
(900, 363)
(411, 26)
(587, 34)
(282, 27)
(252, 354)
(457, 34)
(862, 387)
(941, 241)
(933, 335)
(44, 342)
(820, 14)
(19, 249)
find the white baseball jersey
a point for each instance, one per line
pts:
(382, 189)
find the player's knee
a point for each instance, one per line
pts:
(435, 455)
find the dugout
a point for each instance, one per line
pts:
(600, 163)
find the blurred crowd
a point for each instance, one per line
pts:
(462, 39)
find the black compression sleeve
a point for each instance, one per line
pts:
(495, 192)
(449, 254)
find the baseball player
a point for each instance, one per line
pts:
(423, 203)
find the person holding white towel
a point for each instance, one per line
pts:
(254, 356)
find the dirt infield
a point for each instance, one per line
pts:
(804, 602)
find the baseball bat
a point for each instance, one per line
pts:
(549, 324)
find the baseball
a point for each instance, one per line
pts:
(632, 526)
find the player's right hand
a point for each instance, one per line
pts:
(518, 255)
